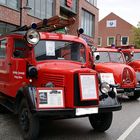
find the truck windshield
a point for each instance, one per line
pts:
(60, 50)
(136, 56)
(116, 57)
(105, 57)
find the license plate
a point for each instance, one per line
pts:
(84, 111)
(129, 93)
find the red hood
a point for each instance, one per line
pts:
(115, 68)
(135, 65)
(63, 67)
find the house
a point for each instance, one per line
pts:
(113, 30)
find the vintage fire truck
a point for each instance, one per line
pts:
(132, 57)
(112, 60)
(49, 75)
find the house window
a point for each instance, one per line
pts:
(5, 27)
(93, 2)
(3, 2)
(124, 40)
(99, 41)
(110, 41)
(88, 23)
(2, 48)
(11, 3)
(41, 8)
(68, 7)
(111, 23)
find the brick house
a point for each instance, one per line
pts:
(85, 12)
(113, 30)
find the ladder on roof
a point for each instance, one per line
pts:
(51, 24)
(55, 23)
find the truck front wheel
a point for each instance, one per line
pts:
(101, 122)
(28, 123)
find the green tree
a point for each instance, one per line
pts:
(135, 39)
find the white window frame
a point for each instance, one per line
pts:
(33, 12)
(111, 21)
(127, 41)
(100, 41)
(108, 40)
(92, 2)
(91, 27)
(7, 4)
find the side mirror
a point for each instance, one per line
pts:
(80, 31)
(17, 53)
(132, 53)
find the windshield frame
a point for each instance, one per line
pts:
(73, 41)
(109, 56)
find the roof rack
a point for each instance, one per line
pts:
(55, 23)
(51, 24)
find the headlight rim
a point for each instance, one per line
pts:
(102, 85)
(29, 34)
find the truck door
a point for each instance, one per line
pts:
(17, 67)
(3, 64)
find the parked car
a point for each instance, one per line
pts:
(48, 75)
(113, 61)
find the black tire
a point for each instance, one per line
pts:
(101, 122)
(28, 123)
(135, 96)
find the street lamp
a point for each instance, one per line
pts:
(21, 8)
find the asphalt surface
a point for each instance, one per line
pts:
(80, 129)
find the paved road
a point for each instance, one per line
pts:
(79, 129)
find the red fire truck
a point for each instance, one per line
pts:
(132, 57)
(49, 75)
(112, 60)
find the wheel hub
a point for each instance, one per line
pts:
(24, 120)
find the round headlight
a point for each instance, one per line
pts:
(32, 36)
(32, 72)
(105, 88)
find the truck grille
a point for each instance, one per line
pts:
(57, 80)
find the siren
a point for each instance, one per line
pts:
(80, 31)
(34, 26)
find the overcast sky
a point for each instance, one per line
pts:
(129, 10)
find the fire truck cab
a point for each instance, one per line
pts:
(49, 75)
(112, 60)
(132, 57)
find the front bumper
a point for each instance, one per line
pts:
(137, 88)
(128, 91)
(110, 108)
(71, 113)
(125, 90)
(109, 104)
(65, 113)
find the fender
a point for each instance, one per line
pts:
(28, 92)
(110, 103)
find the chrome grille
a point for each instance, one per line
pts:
(57, 80)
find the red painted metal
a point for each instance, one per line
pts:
(118, 70)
